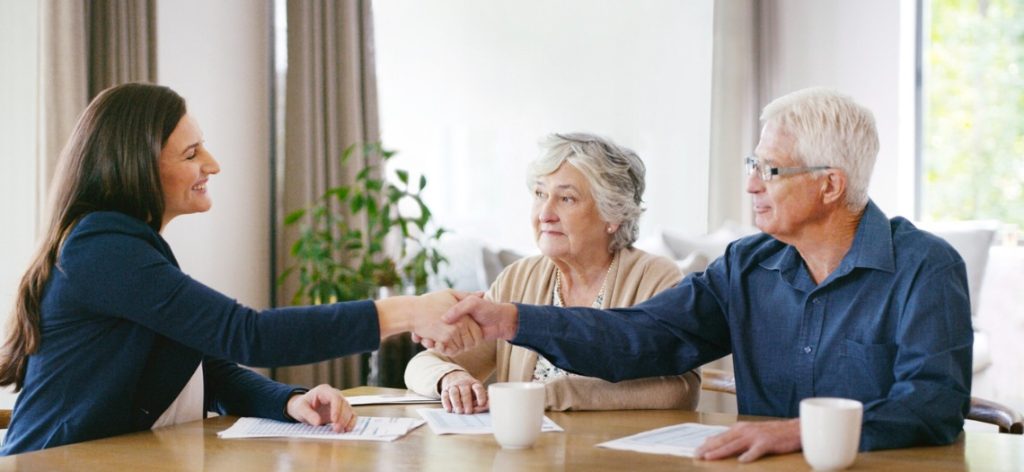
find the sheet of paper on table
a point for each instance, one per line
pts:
(442, 422)
(677, 440)
(390, 399)
(367, 428)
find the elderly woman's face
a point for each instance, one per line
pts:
(566, 223)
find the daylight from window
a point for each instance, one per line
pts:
(973, 143)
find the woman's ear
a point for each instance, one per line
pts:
(611, 228)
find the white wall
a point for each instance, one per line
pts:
(468, 88)
(216, 55)
(856, 48)
(19, 49)
(19, 53)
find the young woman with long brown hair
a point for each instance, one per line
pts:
(109, 336)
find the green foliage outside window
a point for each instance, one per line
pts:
(974, 116)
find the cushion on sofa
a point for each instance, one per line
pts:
(972, 239)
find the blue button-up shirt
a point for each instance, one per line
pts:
(891, 327)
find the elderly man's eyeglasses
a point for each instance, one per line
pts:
(766, 173)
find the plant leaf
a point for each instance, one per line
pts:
(403, 176)
(348, 152)
(294, 216)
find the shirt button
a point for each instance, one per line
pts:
(807, 349)
(816, 301)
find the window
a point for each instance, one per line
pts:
(972, 159)
(468, 89)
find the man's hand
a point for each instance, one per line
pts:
(463, 393)
(752, 440)
(321, 405)
(496, 320)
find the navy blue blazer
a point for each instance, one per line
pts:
(123, 329)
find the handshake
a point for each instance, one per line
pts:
(448, 321)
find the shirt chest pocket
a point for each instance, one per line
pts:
(868, 369)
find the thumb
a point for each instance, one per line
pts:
(456, 312)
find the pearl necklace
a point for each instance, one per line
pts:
(599, 300)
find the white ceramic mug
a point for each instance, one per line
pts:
(517, 410)
(830, 431)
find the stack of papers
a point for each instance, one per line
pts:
(367, 429)
(677, 440)
(442, 422)
(389, 399)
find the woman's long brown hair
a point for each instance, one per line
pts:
(108, 164)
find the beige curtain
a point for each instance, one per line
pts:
(736, 91)
(331, 102)
(85, 47)
(735, 107)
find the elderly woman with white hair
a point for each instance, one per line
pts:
(587, 201)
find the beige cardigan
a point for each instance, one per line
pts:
(636, 277)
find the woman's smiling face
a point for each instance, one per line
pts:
(185, 167)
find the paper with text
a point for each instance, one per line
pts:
(442, 422)
(367, 429)
(389, 399)
(677, 440)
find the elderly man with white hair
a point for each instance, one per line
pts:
(832, 299)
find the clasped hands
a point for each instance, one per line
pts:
(451, 321)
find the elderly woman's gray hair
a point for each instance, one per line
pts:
(615, 174)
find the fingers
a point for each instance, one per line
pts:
(462, 393)
(462, 399)
(461, 309)
(453, 339)
(446, 401)
(481, 397)
(345, 419)
(755, 452)
(724, 445)
(751, 441)
(323, 404)
(469, 333)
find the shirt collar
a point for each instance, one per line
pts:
(871, 249)
(872, 245)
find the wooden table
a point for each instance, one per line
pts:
(195, 446)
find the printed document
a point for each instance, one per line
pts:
(367, 429)
(677, 440)
(389, 399)
(442, 422)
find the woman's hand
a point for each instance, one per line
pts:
(321, 405)
(462, 393)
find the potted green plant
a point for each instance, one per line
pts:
(396, 249)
